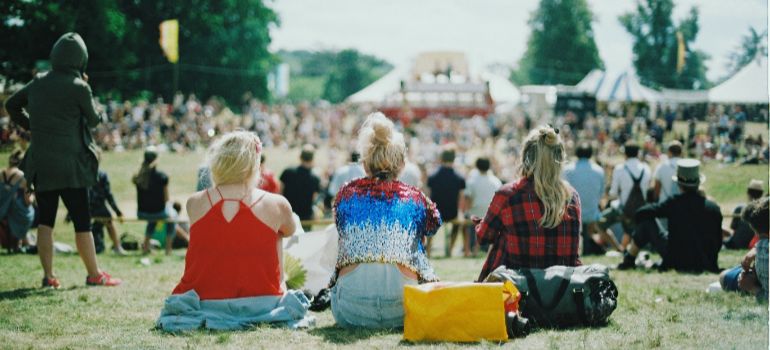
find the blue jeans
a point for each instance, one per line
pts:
(153, 218)
(370, 296)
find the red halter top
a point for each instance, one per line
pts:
(232, 259)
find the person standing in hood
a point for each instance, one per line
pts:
(57, 108)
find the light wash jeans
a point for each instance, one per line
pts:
(370, 296)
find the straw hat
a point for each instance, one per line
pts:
(755, 185)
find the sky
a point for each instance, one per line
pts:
(490, 31)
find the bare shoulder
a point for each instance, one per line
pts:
(276, 200)
(197, 205)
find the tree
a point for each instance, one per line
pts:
(752, 44)
(222, 44)
(656, 46)
(330, 75)
(28, 30)
(561, 47)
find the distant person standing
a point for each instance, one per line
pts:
(348, 172)
(479, 193)
(411, 174)
(446, 187)
(300, 185)
(587, 178)
(152, 197)
(58, 108)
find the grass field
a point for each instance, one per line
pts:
(668, 310)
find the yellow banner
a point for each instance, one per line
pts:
(169, 39)
(680, 52)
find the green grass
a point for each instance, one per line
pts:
(666, 310)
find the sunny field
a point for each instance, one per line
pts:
(655, 310)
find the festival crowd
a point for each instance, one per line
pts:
(524, 202)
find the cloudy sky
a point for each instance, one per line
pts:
(489, 31)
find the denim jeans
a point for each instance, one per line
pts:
(153, 218)
(370, 296)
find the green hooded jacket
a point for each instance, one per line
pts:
(58, 108)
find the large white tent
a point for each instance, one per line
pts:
(387, 89)
(616, 87)
(749, 85)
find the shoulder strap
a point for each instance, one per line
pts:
(635, 179)
(535, 292)
(264, 193)
(209, 197)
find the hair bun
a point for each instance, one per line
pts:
(549, 136)
(382, 132)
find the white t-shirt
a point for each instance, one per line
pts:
(345, 174)
(411, 175)
(481, 188)
(668, 187)
(622, 183)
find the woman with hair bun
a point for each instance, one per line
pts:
(382, 225)
(534, 222)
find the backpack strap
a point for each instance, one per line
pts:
(578, 294)
(535, 292)
(635, 179)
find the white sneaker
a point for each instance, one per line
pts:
(119, 251)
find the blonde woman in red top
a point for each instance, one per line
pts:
(235, 251)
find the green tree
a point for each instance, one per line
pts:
(330, 75)
(656, 46)
(28, 30)
(752, 44)
(222, 44)
(561, 47)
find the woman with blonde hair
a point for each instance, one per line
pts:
(235, 254)
(534, 222)
(382, 225)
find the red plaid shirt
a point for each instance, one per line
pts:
(512, 226)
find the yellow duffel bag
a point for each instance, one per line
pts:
(456, 311)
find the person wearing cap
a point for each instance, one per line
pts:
(694, 235)
(151, 197)
(57, 107)
(740, 233)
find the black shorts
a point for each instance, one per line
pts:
(76, 202)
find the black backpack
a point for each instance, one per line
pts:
(635, 198)
(563, 296)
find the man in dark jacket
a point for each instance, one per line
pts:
(58, 108)
(694, 234)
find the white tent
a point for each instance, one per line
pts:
(749, 85)
(382, 89)
(613, 87)
(386, 90)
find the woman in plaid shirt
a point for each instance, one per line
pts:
(534, 221)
